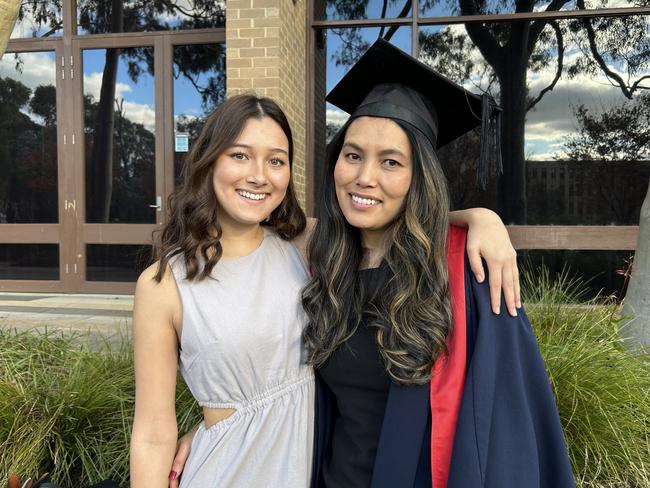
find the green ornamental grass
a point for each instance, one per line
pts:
(67, 408)
(602, 389)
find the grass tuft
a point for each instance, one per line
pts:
(67, 409)
(602, 388)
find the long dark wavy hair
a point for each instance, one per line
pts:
(411, 312)
(193, 227)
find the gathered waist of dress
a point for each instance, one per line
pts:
(266, 396)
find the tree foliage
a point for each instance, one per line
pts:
(617, 133)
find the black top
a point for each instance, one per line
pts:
(356, 375)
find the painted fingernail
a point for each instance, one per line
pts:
(172, 475)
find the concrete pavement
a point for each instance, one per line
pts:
(106, 315)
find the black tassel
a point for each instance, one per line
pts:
(489, 161)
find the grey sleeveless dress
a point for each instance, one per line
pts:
(241, 348)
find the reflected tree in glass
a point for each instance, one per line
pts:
(502, 55)
(40, 18)
(115, 16)
(199, 87)
(111, 16)
(28, 170)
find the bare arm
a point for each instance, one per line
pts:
(488, 238)
(153, 440)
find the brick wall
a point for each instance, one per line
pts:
(265, 54)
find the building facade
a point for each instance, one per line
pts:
(102, 99)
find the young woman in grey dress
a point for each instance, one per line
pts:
(222, 304)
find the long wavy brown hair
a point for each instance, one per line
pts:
(193, 228)
(411, 312)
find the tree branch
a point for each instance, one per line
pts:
(393, 28)
(591, 36)
(560, 61)
(481, 37)
(538, 26)
(383, 16)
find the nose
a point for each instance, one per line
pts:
(367, 176)
(257, 173)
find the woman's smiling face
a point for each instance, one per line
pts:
(373, 174)
(251, 177)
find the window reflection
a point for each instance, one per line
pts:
(29, 261)
(361, 9)
(602, 272)
(575, 138)
(28, 145)
(199, 87)
(119, 124)
(99, 17)
(443, 8)
(116, 262)
(39, 18)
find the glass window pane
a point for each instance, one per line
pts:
(28, 144)
(116, 262)
(361, 9)
(95, 17)
(39, 18)
(444, 8)
(199, 87)
(119, 124)
(29, 261)
(602, 272)
(575, 144)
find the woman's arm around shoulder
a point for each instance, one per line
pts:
(156, 314)
(488, 238)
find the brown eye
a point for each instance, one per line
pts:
(239, 156)
(391, 163)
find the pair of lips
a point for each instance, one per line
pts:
(252, 196)
(364, 200)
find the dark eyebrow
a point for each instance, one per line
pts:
(246, 146)
(383, 152)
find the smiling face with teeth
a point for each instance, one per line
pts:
(373, 175)
(251, 177)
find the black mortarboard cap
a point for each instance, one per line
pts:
(387, 82)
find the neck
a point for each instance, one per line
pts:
(374, 247)
(240, 241)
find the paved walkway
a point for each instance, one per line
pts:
(108, 315)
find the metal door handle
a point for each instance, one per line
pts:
(158, 204)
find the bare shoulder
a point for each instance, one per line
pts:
(154, 298)
(302, 239)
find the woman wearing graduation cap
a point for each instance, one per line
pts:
(380, 288)
(420, 384)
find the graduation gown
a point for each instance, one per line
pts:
(488, 417)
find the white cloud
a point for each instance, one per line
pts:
(37, 68)
(336, 116)
(141, 114)
(93, 86)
